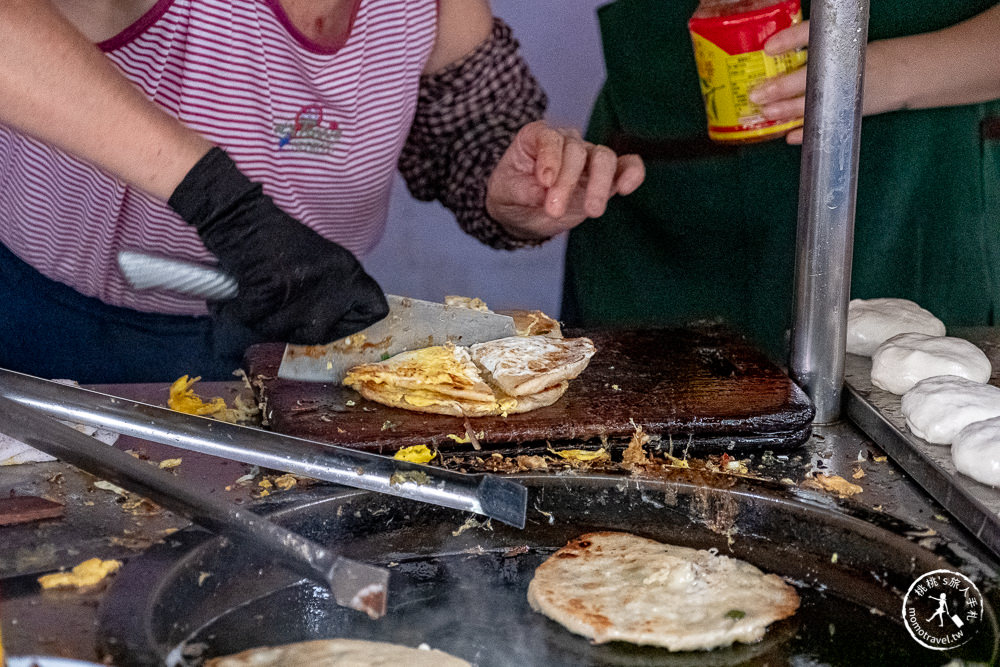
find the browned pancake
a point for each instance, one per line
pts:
(612, 586)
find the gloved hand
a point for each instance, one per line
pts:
(294, 285)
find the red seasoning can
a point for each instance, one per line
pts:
(728, 38)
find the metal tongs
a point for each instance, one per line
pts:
(500, 499)
(353, 584)
(30, 406)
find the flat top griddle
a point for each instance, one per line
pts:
(705, 384)
(459, 586)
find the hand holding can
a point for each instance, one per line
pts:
(728, 38)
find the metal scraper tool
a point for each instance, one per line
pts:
(411, 323)
(354, 584)
(496, 497)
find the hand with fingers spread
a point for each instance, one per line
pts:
(551, 180)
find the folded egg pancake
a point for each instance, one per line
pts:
(525, 365)
(507, 376)
(440, 379)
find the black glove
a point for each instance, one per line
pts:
(294, 285)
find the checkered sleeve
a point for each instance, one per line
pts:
(466, 117)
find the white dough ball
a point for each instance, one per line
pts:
(906, 359)
(976, 451)
(871, 322)
(937, 408)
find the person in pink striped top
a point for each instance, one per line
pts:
(261, 136)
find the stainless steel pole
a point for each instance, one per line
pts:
(838, 31)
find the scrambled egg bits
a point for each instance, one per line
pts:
(87, 573)
(183, 399)
(415, 454)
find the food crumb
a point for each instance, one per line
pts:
(525, 462)
(472, 522)
(285, 482)
(415, 454)
(833, 483)
(86, 574)
(417, 477)
(184, 399)
(581, 454)
(167, 464)
(634, 455)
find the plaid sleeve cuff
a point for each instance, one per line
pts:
(467, 116)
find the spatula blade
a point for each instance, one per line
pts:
(360, 586)
(411, 324)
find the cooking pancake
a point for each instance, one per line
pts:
(338, 653)
(440, 379)
(524, 365)
(611, 586)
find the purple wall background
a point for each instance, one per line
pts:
(424, 254)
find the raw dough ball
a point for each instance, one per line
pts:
(939, 407)
(906, 359)
(871, 322)
(976, 451)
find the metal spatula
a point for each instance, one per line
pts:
(410, 324)
(353, 584)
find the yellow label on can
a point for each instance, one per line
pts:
(726, 81)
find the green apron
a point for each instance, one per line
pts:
(711, 233)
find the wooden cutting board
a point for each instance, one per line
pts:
(707, 389)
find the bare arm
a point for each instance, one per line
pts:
(947, 67)
(56, 86)
(462, 26)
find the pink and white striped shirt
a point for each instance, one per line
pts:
(321, 128)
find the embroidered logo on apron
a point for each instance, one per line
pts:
(308, 132)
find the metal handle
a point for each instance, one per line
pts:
(354, 584)
(501, 499)
(838, 30)
(144, 271)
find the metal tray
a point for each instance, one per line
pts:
(876, 412)
(460, 587)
